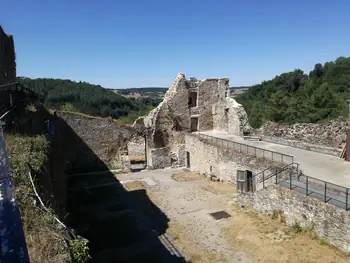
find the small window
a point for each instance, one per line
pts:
(5, 75)
(192, 99)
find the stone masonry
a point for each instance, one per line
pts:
(329, 222)
(223, 163)
(104, 137)
(326, 138)
(188, 106)
(7, 59)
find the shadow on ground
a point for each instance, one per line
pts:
(121, 226)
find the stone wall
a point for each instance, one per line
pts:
(230, 116)
(329, 222)
(104, 137)
(136, 148)
(7, 59)
(327, 138)
(158, 158)
(209, 159)
(171, 120)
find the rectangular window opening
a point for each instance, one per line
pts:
(192, 99)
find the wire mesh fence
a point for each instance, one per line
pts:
(248, 149)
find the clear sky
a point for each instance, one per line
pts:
(135, 43)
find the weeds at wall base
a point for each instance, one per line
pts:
(80, 251)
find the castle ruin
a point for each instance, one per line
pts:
(189, 106)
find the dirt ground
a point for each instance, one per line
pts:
(246, 236)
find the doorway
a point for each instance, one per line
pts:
(188, 160)
(194, 124)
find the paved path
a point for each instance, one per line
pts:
(318, 165)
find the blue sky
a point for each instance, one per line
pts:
(134, 43)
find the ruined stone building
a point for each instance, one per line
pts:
(7, 58)
(190, 105)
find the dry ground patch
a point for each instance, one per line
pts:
(186, 176)
(268, 240)
(261, 238)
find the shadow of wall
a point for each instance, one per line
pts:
(121, 226)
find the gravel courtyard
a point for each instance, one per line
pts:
(246, 236)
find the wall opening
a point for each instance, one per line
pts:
(192, 99)
(188, 160)
(159, 139)
(194, 124)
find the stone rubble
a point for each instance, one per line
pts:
(332, 134)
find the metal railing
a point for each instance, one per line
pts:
(12, 240)
(250, 150)
(319, 189)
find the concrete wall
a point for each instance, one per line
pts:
(209, 159)
(7, 58)
(329, 222)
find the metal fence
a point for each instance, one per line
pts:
(321, 190)
(12, 240)
(250, 150)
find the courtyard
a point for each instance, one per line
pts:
(243, 235)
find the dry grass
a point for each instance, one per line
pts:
(44, 240)
(183, 239)
(134, 186)
(263, 239)
(186, 176)
(218, 188)
(267, 240)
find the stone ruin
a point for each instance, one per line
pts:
(189, 106)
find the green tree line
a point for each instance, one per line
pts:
(295, 96)
(87, 98)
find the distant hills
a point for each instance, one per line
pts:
(157, 89)
(143, 91)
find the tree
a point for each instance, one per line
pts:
(296, 97)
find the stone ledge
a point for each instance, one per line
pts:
(303, 145)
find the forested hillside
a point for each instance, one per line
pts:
(294, 97)
(87, 98)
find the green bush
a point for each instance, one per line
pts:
(297, 228)
(68, 107)
(80, 251)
